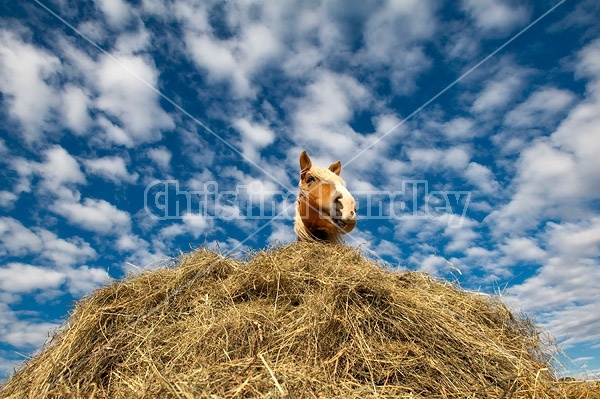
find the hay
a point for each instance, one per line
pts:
(303, 321)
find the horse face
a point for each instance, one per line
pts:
(326, 202)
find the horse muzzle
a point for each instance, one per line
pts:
(346, 225)
(345, 213)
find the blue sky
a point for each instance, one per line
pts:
(104, 102)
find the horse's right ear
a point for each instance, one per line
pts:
(336, 167)
(305, 163)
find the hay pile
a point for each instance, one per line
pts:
(301, 321)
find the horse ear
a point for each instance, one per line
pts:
(336, 167)
(305, 163)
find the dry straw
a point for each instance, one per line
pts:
(302, 321)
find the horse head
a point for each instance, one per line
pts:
(325, 208)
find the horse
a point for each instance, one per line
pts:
(325, 209)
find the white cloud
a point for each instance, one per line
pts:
(577, 135)
(574, 324)
(433, 264)
(480, 252)
(258, 135)
(115, 134)
(540, 108)
(129, 242)
(461, 238)
(20, 329)
(309, 35)
(546, 185)
(112, 168)
(7, 199)
(388, 248)
(391, 41)
(459, 128)
(161, 157)
(25, 170)
(94, 215)
(502, 83)
(482, 178)
(117, 12)
(386, 123)
(141, 254)
(22, 278)
(588, 63)
(63, 252)
(133, 42)
(430, 229)
(582, 16)
(75, 102)
(575, 240)
(564, 292)
(416, 18)
(125, 93)
(523, 249)
(496, 16)
(16, 239)
(197, 224)
(193, 15)
(221, 62)
(456, 158)
(24, 71)
(156, 6)
(9, 363)
(58, 169)
(79, 67)
(95, 30)
(497, 94)
(281, 233)
(254, 137)
(488, 262)
(460, 231)
(20, 332)
(321, 117)
(83, 280)
(302, 62)
(171, 231)
(195, 149)
(259, 45)
(462, 43)
(257, 31)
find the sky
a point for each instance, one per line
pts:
(468, 131)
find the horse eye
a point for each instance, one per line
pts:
(310, 179)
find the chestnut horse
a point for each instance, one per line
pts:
(325, 208)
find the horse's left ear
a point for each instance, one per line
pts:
(305, 163)
(336, 167)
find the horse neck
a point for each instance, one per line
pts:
(305, 234)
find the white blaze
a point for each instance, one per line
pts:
(347, 201)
